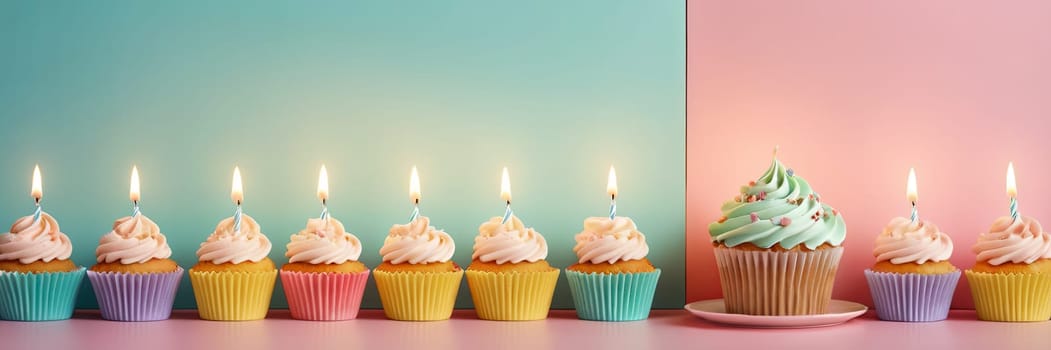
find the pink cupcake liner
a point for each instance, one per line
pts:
(911, 297)
(324, 296)
(135, 296)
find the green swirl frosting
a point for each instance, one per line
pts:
(778, 208)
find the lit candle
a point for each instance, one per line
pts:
(237, 195)
(133, 193)
(322, 191)
(911, 194)
(611, 188)
(1012, 190)
(414, 193)
(505, 194)
(37, 192)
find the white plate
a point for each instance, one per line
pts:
(839, 311)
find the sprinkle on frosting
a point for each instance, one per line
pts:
(35, 240)
(1016, 241)
(508, 242)
(228, 246)
(609, 241)
(417, 243)
(134, 239)
(323, 241)
(789, 213)
(906, 241)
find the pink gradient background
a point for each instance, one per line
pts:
(856, 93)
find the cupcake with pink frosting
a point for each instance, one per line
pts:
(234, 278)
(1011, 279)
(509, 276)
(612, 279)
(134, 278)
(912, 280)
(38, 281)
(323, 279)
(418, 281)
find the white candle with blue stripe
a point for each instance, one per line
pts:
(414, 193)
(1012, 190)
(611, 189)
(237, 195)
(911, 194)
(505, 194)
(37, 192)
(133, 191)
(322, 191)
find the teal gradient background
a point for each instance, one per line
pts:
(557, 91)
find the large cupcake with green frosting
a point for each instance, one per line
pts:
(777, 247)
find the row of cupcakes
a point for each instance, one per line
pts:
(134, 278)
(778, 247)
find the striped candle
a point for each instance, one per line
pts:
(1012, 190)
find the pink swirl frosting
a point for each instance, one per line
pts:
(906, 241)
(608, 241)
(509, 242)
(417, 243)
(227, 246)
(38, 240)
(134, 239)
(323, 241)
(1016, 241)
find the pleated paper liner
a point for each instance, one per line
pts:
(512, 296)
(1011, 297)
(613, 297)
(233, 296)
(46, 296)
(317, 296)
(777, 283)
(135, 296)
(416, 296)
(912, 297)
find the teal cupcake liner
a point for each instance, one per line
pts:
(39, 296)
(613, 297)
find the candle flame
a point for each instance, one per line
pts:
(910, 191)
(1012, 188)
(236, 189)
(611, 182)
(38, 190)
(322, 184)
(505, 186)
(133, 193)
(414, 186)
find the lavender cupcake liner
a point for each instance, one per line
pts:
(47, 296)
(135, 296)
(911, 297)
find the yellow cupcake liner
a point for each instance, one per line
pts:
(418, 296)
(233, 296)
(1011, 297)
(512, 296)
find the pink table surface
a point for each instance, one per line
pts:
(666, 329)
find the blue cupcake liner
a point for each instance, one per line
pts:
(613, 297)
(46, 296)
(911, 297)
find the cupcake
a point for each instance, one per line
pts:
(508, 276)
(912, 280)
(38, 282)
(417, 281)
(323, 279)
(777, 247)
(1011, 279)
(612, 279)
(234, 279)
(134, 279)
